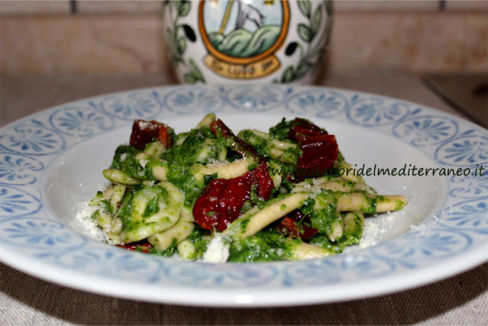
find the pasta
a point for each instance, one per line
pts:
(256, 196)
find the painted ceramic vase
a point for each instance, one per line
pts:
(247, 41)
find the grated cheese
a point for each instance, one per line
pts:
(85, 224)
(145, 125)
(217, 250)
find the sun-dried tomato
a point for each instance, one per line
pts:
(222, 200)
(237, 144)
(164, 136)
(143, 246)
(287, 227)
(305, 127)
(144, 132)
(262, 181)
(319, 149)
(295, 225)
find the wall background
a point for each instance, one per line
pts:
(81, 37)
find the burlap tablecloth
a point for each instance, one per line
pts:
(25, 300)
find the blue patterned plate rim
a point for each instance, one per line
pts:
(453, 239)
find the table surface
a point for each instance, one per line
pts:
(25, 300)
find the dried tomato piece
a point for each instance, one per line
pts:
(293, 225)
(144, 132)
(262, 181)
(165, 137)
(232, 200)
(222, 200)
(317, 157)
(312, 138)
(207, 207)
(237, 144)
(319, 149)
(303, 126)
(143, 246)
(288, 227)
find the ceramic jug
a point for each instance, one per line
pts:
(246, 41)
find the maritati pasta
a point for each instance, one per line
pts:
(210, 194)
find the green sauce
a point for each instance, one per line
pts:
(153, 206)
(322, 211)
(199, 147)
(126, 208)
(267, 245)
(200, 239)
(125, 160)
(268, 148)
(164, 253)
(281, 130)
(183, 177)
(196, 141)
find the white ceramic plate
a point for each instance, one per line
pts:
(52, 160)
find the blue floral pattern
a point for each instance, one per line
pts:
(210, 274)
(324, 104)
(375, 111)
(193, 100)
(468, 215)
(15, 202)
(79, 122)
(32, 137)
(312, 272)
(30, 146)
(254, 99)
(464, 151)
(136, 105)
(18, 169)
(427, 245)
(471, 186)
(113, 263)
(39, 234)
(426, 130)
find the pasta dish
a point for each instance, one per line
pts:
(210, 194)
